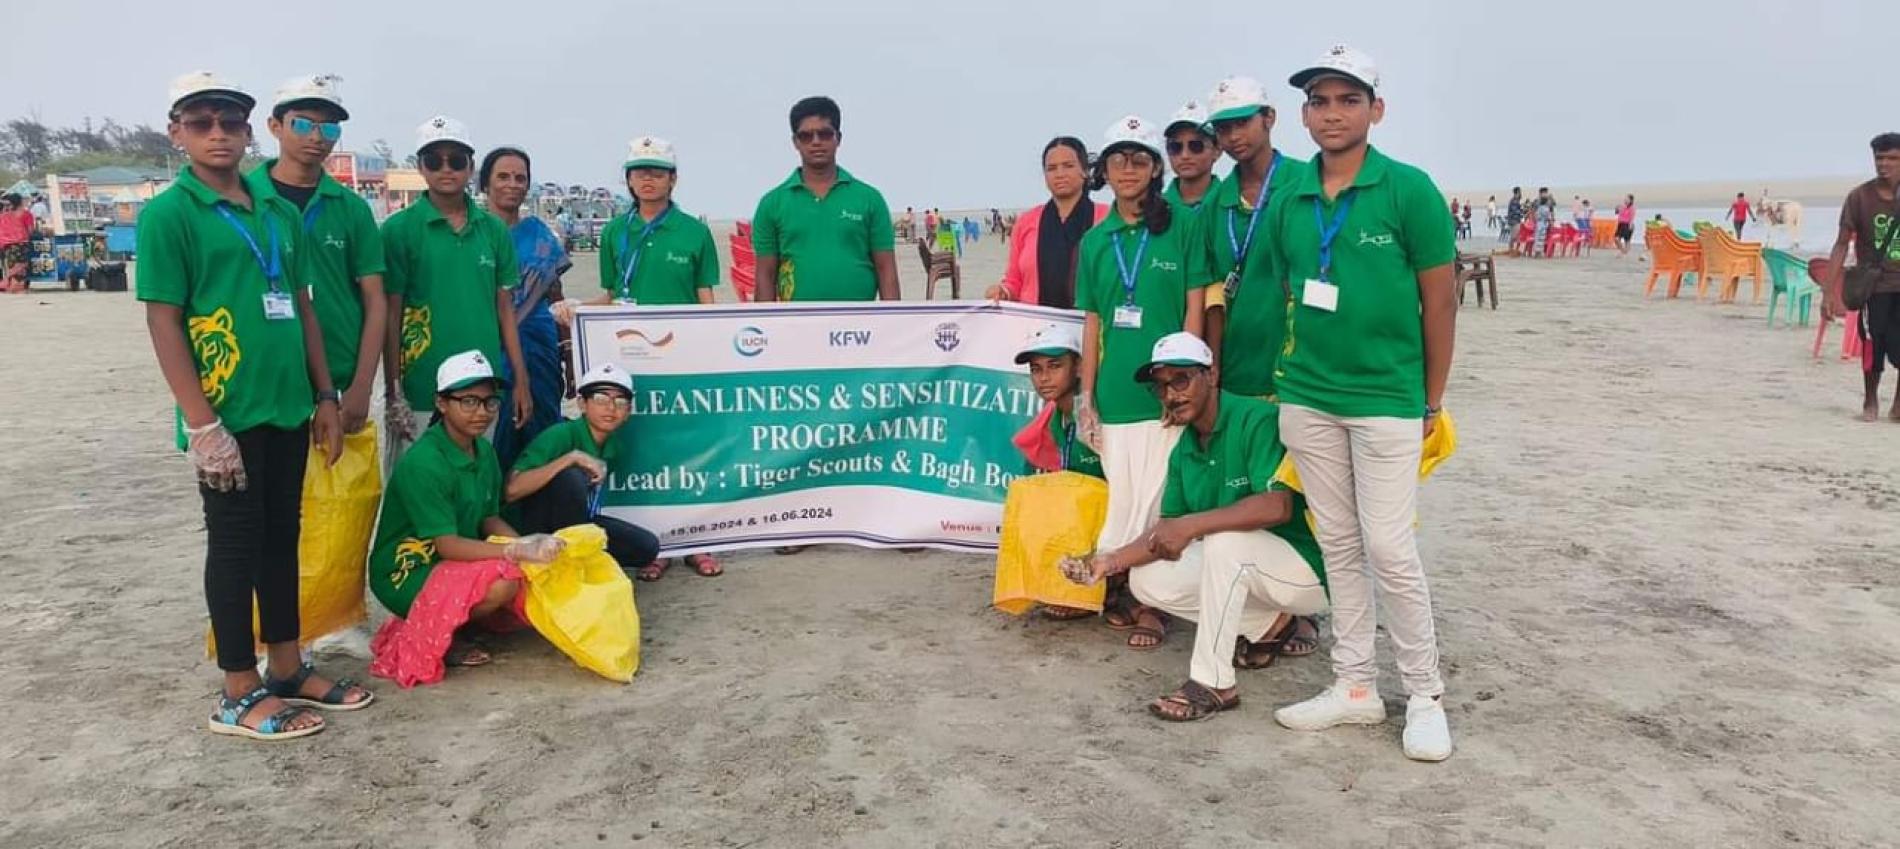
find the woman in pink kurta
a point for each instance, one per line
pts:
(1042, 249)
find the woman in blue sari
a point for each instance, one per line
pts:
(505, 178)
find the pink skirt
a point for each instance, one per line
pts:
(410, 651)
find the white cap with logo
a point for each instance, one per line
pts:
(442, 128)
(207, 85)
(1236, 97)
(1342, 62)
(1132, 129)
(1175, 349)
(605, 374)
(1192, 114)
(650, 152)
(1053, 340)
(311, 88)
(464, 369)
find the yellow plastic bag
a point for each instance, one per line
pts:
(339, 514)
(1046, 518)
(583, 604)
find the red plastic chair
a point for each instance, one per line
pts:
(742, 261)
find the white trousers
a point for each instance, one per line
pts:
(1235, 585)
(1135, 463)
(1361, 480)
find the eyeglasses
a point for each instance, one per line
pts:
(436, 160)
(202, 124)
(1195, 145)
(302, 126)
(1178, 383)
(1139, 160)
(809, 136)
(609, 399)
(471, 403)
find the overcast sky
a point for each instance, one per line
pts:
(949, 103)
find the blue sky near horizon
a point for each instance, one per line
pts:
(949, 104)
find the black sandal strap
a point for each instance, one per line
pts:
(293, 685)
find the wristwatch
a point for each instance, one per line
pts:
(330, 395)
(1431, 411)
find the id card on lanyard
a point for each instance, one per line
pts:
(1128, 314)
(625, 294)
(1243, 246)
(279, 305)
(1323, 293)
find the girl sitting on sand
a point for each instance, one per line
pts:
(431, 565)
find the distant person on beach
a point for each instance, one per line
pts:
(41, 214)
(1870, 223)
(1140, 277)
(1491, 213)
(822, 234)
(1369, 255)
(1625, 224)
(16, 238)
(1191, 155)
(1584, 216)
(907, 224)
(1246, 305)
(1545, 213)
(1513, 216)
(1042, 248)
(221, 275)
(1740, 212)
(1232, 550)
(1576, 210)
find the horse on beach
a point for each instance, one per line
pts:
(1778, 214)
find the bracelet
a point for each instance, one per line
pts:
(330, 395)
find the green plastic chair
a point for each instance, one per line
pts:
(1790, 280)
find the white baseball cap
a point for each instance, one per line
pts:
(1343, 62)
(1175, 349)
(1236, 97)
(311, 88)
(464, 369)
(1192, 114)
(605, 373)
(1053, 340)
(205, 84)
(1132, 129)
(442, 128)
(650, 152)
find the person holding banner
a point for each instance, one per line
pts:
(432, 566)
(222, 275)
(556, 482)
(1042, 251)
(823, 235)
(505, 176)
(450, 269)
(1246, 311)
(1139, 278)
(1232, 550)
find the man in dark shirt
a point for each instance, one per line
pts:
(1869, 218)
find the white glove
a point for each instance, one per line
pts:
(214, 452)
(564, 311)
(1088, 423)
(534, 548)
(594, 468)
(399, 420)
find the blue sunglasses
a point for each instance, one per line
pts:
(302, 126)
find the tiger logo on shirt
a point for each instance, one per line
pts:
(787, 281)
(215, 346)
(415, 334)
(411, 554)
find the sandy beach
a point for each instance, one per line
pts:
(1662, 559)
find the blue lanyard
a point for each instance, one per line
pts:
(1259, 202)
(310, 213)
(1329, 232)
(633, 254)
(1129, 275)
(274, 267)
(1068, 440)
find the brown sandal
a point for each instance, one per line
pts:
(1196, 701)
(1059, 613)
(1157, 632)
(1288, 643)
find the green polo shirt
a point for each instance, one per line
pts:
(1077, 456)
(676, 260)
(1173, 193)
(252, 369)
(435, 490)
(1241, 458)
(1256, 320)
(559, 439)
(448, 281)
(1173, 262)
(344, 247)
(824, 245)
(1367, 358)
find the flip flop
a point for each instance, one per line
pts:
(654, 571)
(1059, 613)
(1199, 701)
(705, 565)
(466, 656)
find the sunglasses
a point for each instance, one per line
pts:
(202, 124)
(302, 126)
(809, 136)
(1195, 145)
(471, 403)
(1178, 383)
(436, 160)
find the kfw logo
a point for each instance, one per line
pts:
(850, 338)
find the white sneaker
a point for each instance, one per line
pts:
(1339, 704)
(1427, 734)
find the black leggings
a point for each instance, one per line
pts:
(563, 503)
(251, 546)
